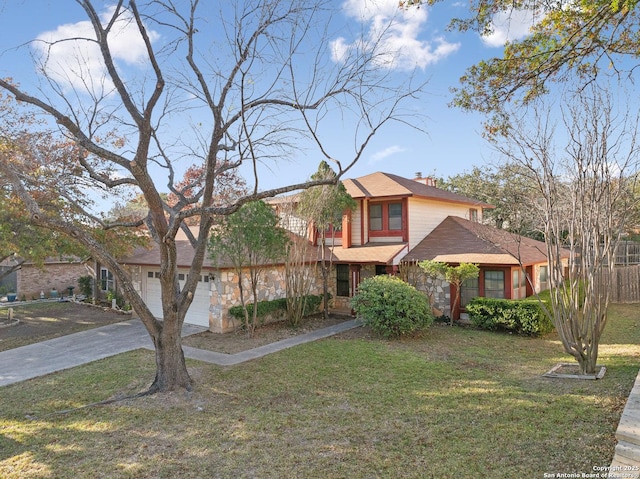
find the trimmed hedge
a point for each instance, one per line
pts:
(524, 317)
(266, 308)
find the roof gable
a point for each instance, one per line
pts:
(457, 240)
(380, 185)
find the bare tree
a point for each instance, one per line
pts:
(260, 90)
(300, 260)
(585, 197)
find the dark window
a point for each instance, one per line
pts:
(375, 217)
(494, 284)
(342, 280)
(395, 216)
(473, 214)
(470, 289)
(381, 269)
(149, 274)
(180, 276)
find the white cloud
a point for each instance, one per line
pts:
(510, 26)
(70, 55)
(387, 152)
(393, 34)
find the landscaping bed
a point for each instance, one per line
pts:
(237, 341)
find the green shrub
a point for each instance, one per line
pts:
(111, 295)
(277, 306)
(86, 285)
(312, 305)
(524, 317)
(391, 307)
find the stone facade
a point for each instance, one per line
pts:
(33, 280)
(438, 290)
(226, 294)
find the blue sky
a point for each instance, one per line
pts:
(452, 143)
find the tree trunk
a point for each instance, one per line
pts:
(243, 302)
(456, 305)
(325, 290)
(588, 360)
(171, 369)
(254, 311)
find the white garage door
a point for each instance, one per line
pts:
(198, 312)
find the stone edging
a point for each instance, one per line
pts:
(104, 308)
(223, 359)
(8, 325)
(626, 460)
(553, 372)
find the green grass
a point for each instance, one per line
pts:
(454, 403)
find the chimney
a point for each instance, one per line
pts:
(425, 181)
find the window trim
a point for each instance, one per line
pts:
(381, 217)
(381, 269)
(504, 282)
(389, 216)
(384, 211)
(469, 289)
(106, 280)
(330, 232)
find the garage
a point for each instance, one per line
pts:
(198, 312)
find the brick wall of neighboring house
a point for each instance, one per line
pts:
(32, 280)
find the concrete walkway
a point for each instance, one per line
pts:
(69, 351)
(222, 359)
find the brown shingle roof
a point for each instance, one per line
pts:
(371, 253)
(457, 240)
(379, 185)
(151, 256)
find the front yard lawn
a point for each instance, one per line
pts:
(454, 403)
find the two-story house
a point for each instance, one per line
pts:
(392, 216)
(396, 221)
(399, 221)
